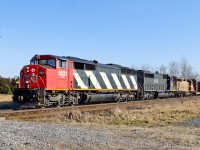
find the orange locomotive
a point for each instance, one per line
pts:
(184, 87)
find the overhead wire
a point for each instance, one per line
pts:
(11, 41)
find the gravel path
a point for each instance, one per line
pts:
(47, 136)
(15, 135)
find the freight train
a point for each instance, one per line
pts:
(51, 80)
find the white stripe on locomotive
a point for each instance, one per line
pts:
(119, 86)
(106, 81)
(94, 80)
(79, 80)
(126, 82)
(134, 82)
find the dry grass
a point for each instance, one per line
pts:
(5, 101)
(90, 147)
(170, 137)
(75, 147)
(25, 147)
(157, 115)
(5, 98)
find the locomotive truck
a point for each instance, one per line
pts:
(51, 80)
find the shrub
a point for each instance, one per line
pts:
(6, 85)
(5, 89)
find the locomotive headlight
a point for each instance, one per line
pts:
(26, 82)
(27, 69)
(17, 84)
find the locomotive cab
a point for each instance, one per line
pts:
(44, 74)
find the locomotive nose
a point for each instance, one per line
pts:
(33, 74)
(29, 74)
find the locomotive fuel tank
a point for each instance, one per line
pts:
(163, 95)
(100, 97)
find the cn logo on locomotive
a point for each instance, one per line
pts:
(156, 81)
(33, 70)
(62, 74)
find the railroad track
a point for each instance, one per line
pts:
(45, 112)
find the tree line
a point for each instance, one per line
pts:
(7, 85)
(181, 68)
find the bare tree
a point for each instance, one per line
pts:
(147, 67)
(184, 67)
(189, 71)
(191, 74)
(163, 69)
(174, 68)
(133, 66)
(195, 75)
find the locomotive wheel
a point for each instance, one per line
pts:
(141, 97)
(120, 99)
(73, 101)
(47, 103)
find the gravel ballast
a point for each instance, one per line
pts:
(47, 136)
(14, 134)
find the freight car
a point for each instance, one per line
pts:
(51, 80)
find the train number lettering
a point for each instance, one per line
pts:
(62, 74)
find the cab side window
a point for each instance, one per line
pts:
(62, 64)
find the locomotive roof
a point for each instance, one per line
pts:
(94, 62)
(85, 61)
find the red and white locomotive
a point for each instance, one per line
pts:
(56, 81)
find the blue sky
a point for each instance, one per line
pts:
(124, 32)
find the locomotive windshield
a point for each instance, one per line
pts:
(34, 62)
(49, 62)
